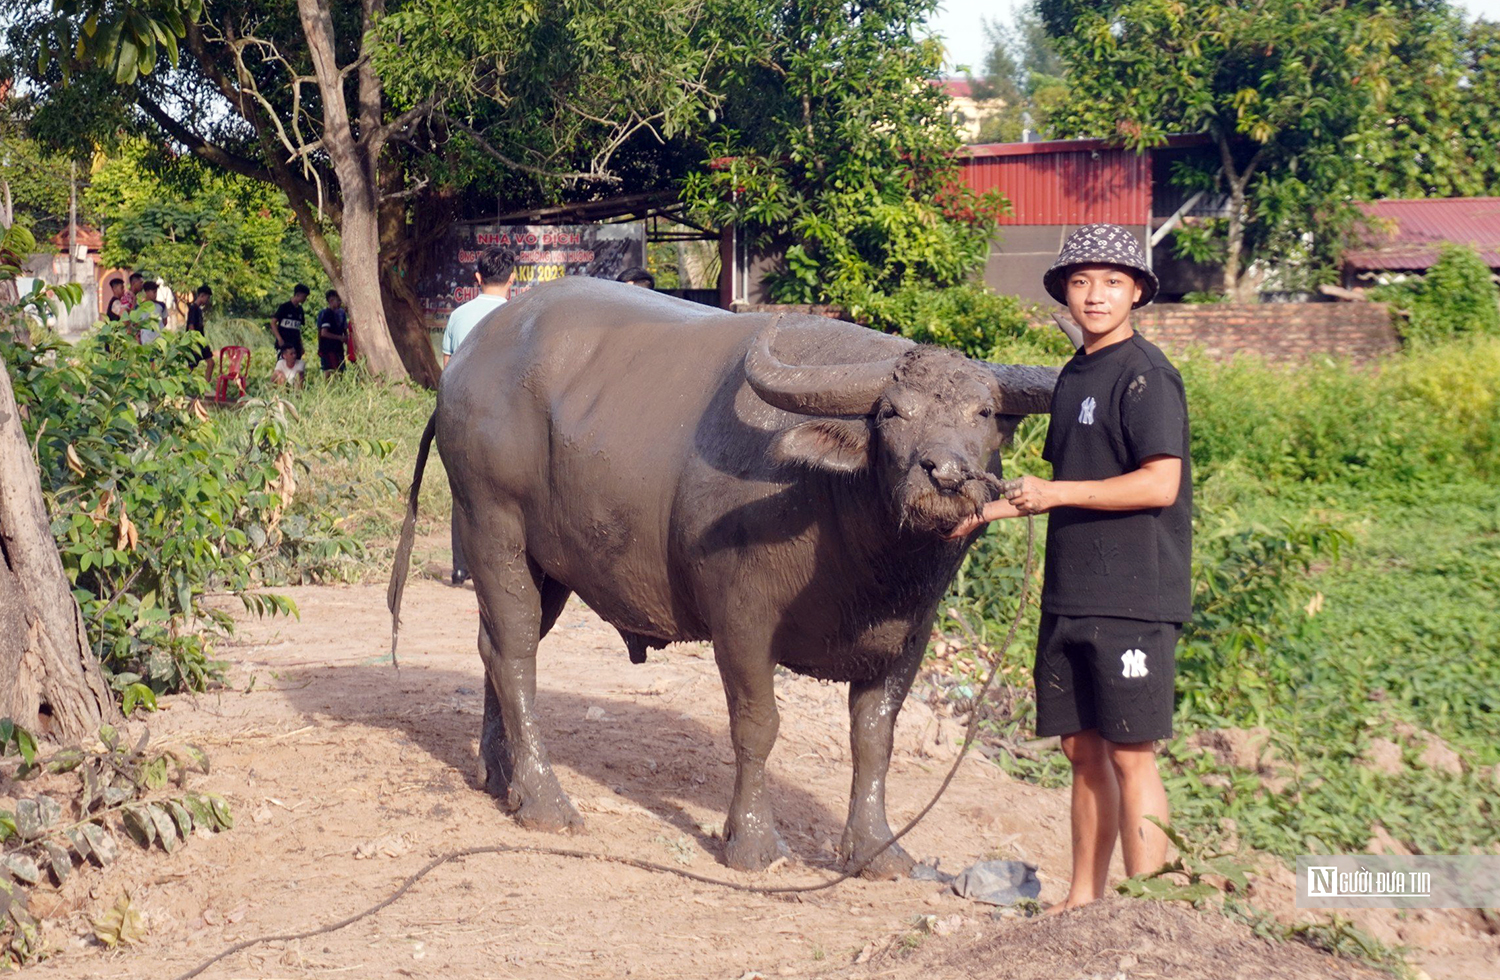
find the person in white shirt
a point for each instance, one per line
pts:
(289, 368)
(494, 275)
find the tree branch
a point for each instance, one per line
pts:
(202, 148)
(487, 147)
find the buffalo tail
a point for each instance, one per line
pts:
(408, 533)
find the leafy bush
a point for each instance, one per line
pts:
(967, 317)
(140, 792)
(1455, 297)
(157, 507)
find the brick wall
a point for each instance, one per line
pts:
(1276, 331)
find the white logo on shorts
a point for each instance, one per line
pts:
(1135, 663)
(1086, 412)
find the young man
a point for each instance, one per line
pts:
(117, 306)
(148, 301)
(195, 312)
(286, 325)
(1119, 542)
(493, 275)
(289, 369)
(333, 332)
(638, 276)
(133, 294)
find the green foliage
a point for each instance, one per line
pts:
(1287, 90)
(967, 317)
(1456, 297)
(833, 151)
(1196, 875)
(139, 790)
(194, 226)
(1439, 133)
(157, 505)
(1024, 72)
(127, 38)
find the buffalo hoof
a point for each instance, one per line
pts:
(556, 817)
(753, 852)
(893, 862)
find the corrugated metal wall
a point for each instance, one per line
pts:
(1048, 186)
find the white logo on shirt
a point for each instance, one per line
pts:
(1086, 413)
(1135, 663)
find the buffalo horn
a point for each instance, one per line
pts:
(825, 389)
(1024, 388)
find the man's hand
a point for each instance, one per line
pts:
(964, 527)
(1033, 495)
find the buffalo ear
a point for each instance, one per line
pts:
(1007, 425)
(835, 445)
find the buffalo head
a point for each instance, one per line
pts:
(927, 424)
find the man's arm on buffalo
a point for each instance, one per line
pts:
(1154, 484)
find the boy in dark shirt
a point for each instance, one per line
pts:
(333, 331)
(286, 325)
(1119, 543)
(117, 306)
(195, 324)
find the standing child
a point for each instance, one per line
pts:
(333, 332)
(286, 325)
(195, 325)
(1119, 544)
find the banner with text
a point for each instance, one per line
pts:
(542, 252)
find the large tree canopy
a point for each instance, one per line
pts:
(378, 118)
(1309, 103)
(833, 149)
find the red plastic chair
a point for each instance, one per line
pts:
(233, 364)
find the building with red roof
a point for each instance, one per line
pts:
(1406, 236)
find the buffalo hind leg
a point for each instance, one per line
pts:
(511, 616)
(494, 750)
(873, 706)
(750, 839)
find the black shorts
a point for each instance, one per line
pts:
(333, 360)
(1102, 672)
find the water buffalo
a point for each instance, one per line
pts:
(700, 475)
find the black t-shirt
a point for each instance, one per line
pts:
(289, 320)
(336, 322)
(195, 317)
(116, 308)
(1112, 409)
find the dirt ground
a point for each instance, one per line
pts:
(346, 777)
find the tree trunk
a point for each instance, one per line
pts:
(1234, 246)
(50, 683)
(361, 268)
(404, 244)
(354, 164)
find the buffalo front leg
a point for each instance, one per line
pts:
(511, 748)
(750, 839)
(873, 707)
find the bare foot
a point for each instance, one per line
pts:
(1068, 903)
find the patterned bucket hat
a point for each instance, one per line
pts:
(1100, 245)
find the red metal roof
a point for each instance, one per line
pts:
(1063, 182)
(1408, 234)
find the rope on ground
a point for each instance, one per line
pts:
(970, 733)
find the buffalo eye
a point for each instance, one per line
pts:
(887, 411)
(987, 412)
